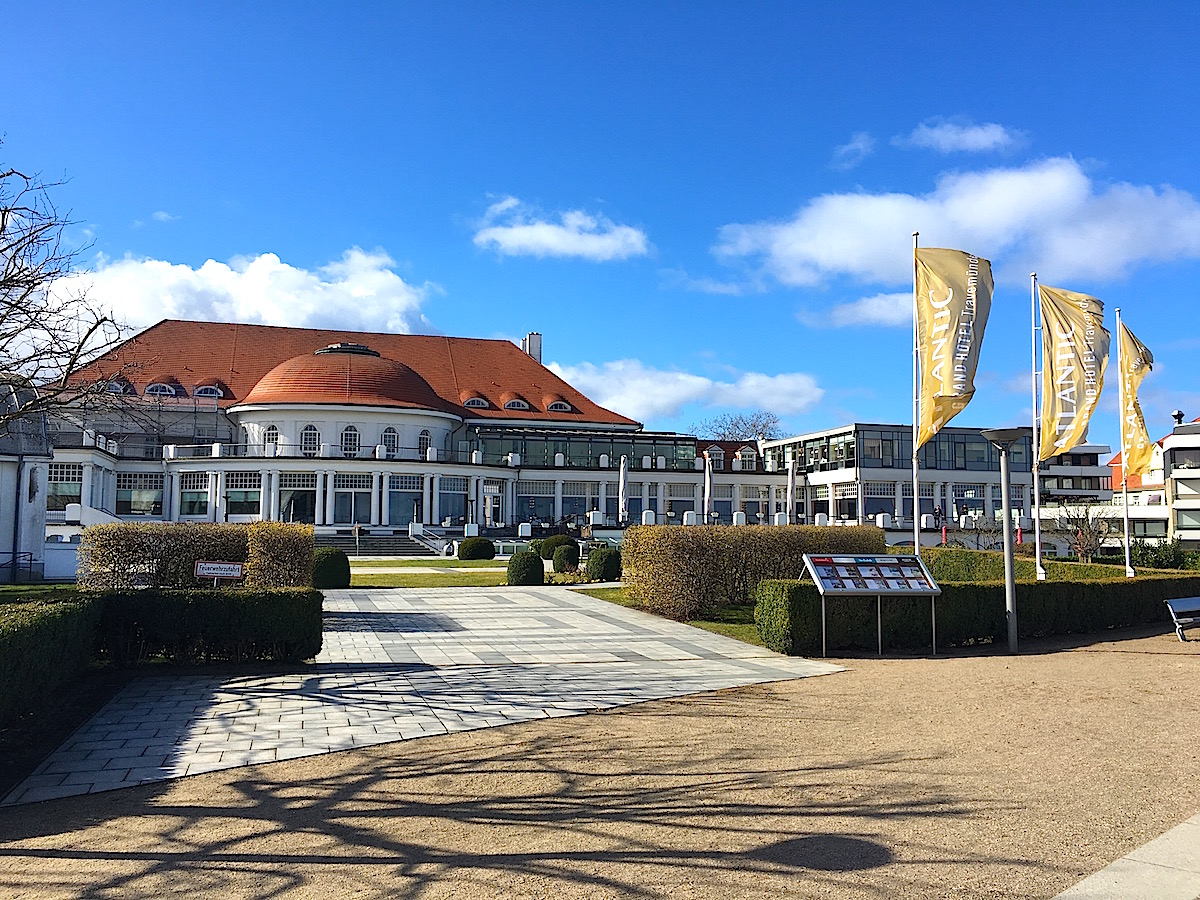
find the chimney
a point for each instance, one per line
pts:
(532, 344)
(1177, 415)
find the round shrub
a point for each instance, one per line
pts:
(476, 548)
(331, 568)
(604, 564)
(552, 543)
(535, 546)
(566, 558)
(526, 568)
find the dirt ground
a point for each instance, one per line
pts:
(964, 776)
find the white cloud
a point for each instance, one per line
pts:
(850, 154)
(952, 137)
(511, 229)
(1047, 216)
(630, 387)
(359, 291)
(881, 309)
(161, 216)
(679, 279)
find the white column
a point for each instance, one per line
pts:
(330, 481)
(385, 502)
(475, 499)
(435, 488)
(376, 477)
(662, 502)
(319, 512)
(989, 507)
(217, 508)
(426, 503)
(274, 507)
(602, 496)
(264, 497)
(85, 492)
(899, 498)
(510, 501)
(737, 499)
(558, 509)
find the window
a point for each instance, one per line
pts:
(717, 457)
(242, 493)
(516, 404)
(64, 485)
(559, 406)
(193, 494)
(118, 387)
(1185, 459)
(270, 436)
(476, 403)
(310, 441)
(139, 493)
(390, 441)
(350, 441)
(209, 391)
(423, 443)
(747, 458)
(159, 389)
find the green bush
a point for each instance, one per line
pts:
(604, 564)
(566, 558)
(43, 644)
(331, 568)
(679, 571)
(549, 545)
(476, 548)
(525, 568)
(211, 625)
(535, 546)
(279, 554)
(162, 555)
(788, 613)
(1163, 555)
(956, 564)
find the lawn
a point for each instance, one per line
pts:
(432, 561)
(16, 593)
(427, 579)
(732, 621)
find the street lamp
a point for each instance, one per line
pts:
(1003, 439)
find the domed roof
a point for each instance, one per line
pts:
(344, 374)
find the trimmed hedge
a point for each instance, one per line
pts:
(476, 548)
(788, 613)
(43, 645)
(956, 564)
(331, 568)
(566, 558)
(279, 554)
(679, 571)
(525, 568)
(210, 625)
(548, 545)
(604, 564)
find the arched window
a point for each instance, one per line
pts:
(270, 436)
(423, 443)
(559, 406)
(310, 440)
(118, 386)
(160, 390)
(209, 391)
(516, 404)
(350, 441)
(390, 441)
(476, 403)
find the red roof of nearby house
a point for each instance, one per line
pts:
(271, 364)
(1135, 481)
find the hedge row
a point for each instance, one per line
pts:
(788, 613)
(210, 625)
(43, 645)
(955, 564)
(677, 571)
(121, 556)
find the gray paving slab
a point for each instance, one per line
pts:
(399, 664)
(1167, 868)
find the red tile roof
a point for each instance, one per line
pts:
(239, 356)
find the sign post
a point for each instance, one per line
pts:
(877, 576)
(230, 571)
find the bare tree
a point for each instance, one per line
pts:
(48, 329)
(758, 425)
(1084, 525)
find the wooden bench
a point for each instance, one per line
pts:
(1185, 611)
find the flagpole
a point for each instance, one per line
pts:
(1129, 573)
(916, 414)
(1037, 446)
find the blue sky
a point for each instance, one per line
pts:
(701, 206)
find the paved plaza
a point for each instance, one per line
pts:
(399, 664)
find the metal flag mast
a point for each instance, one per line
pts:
(1121, 387)
(916, 504)
(1037, 446)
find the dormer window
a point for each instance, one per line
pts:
(476, 403)
(118, 387)
(209, 392)
(158, 389)
(559, 406)
(747, 459)
(717, 457)
(516, 404)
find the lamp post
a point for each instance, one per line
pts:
(1003, 439)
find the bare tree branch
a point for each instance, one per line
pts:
(757, 425)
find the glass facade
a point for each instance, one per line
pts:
(539, 450)
(952, 449)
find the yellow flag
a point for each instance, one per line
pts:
(1136, 446)
(1074, 358)
(954, 296)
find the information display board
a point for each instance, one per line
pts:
(858, 576)
(844, 575)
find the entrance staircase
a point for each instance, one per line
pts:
(374, 544)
